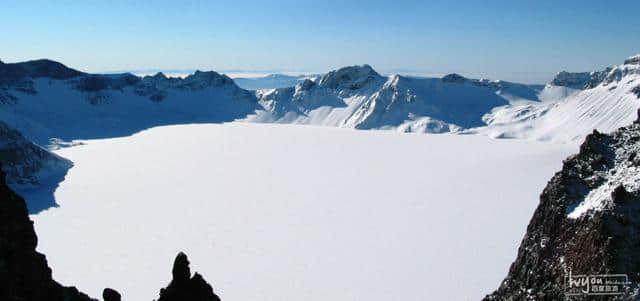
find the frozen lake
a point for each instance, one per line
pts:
(284, 212)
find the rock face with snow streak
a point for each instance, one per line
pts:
(588, 80)
(587, 222)
(579, 80)
(633, 60)
(24, 273)
(25, 163)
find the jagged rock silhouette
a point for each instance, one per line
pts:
(185, 287)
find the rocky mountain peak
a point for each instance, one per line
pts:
(587, 222)
(305, 85)
(181, 272)
(17, 72)
(203, 79)
(352, 77)
(580, 80)
(588, 80)
(159, 75)
(634, 60)
(454, 78)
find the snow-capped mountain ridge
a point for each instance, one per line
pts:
(354, 96)
(359, 97)
(579, 80)
(349, 78)
(611, 104)
(588, 80)
(633, 60)
(85, 106)
(52, 105)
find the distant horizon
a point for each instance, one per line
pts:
(239, 73)
(517, 41)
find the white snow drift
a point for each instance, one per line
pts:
(274, 212)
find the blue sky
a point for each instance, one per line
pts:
(525, 41)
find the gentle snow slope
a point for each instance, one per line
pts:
(276, 212)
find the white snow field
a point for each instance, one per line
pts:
(283, 212)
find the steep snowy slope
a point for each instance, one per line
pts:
(27, 165)
(611, 103)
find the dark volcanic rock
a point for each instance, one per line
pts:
(636, 91)
(109, 294)
(185, 287)
(580, 80)
(634, 60)
(24, 273)
(98, 82)
(587, 222)
(454, 78)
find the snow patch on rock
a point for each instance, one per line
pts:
(625, 174)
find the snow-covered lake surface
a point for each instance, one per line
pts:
(283, 212)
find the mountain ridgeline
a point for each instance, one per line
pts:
(44, 99)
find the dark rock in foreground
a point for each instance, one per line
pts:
(587, 223)
(24, 273)
(185, 287)
(109, 294)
